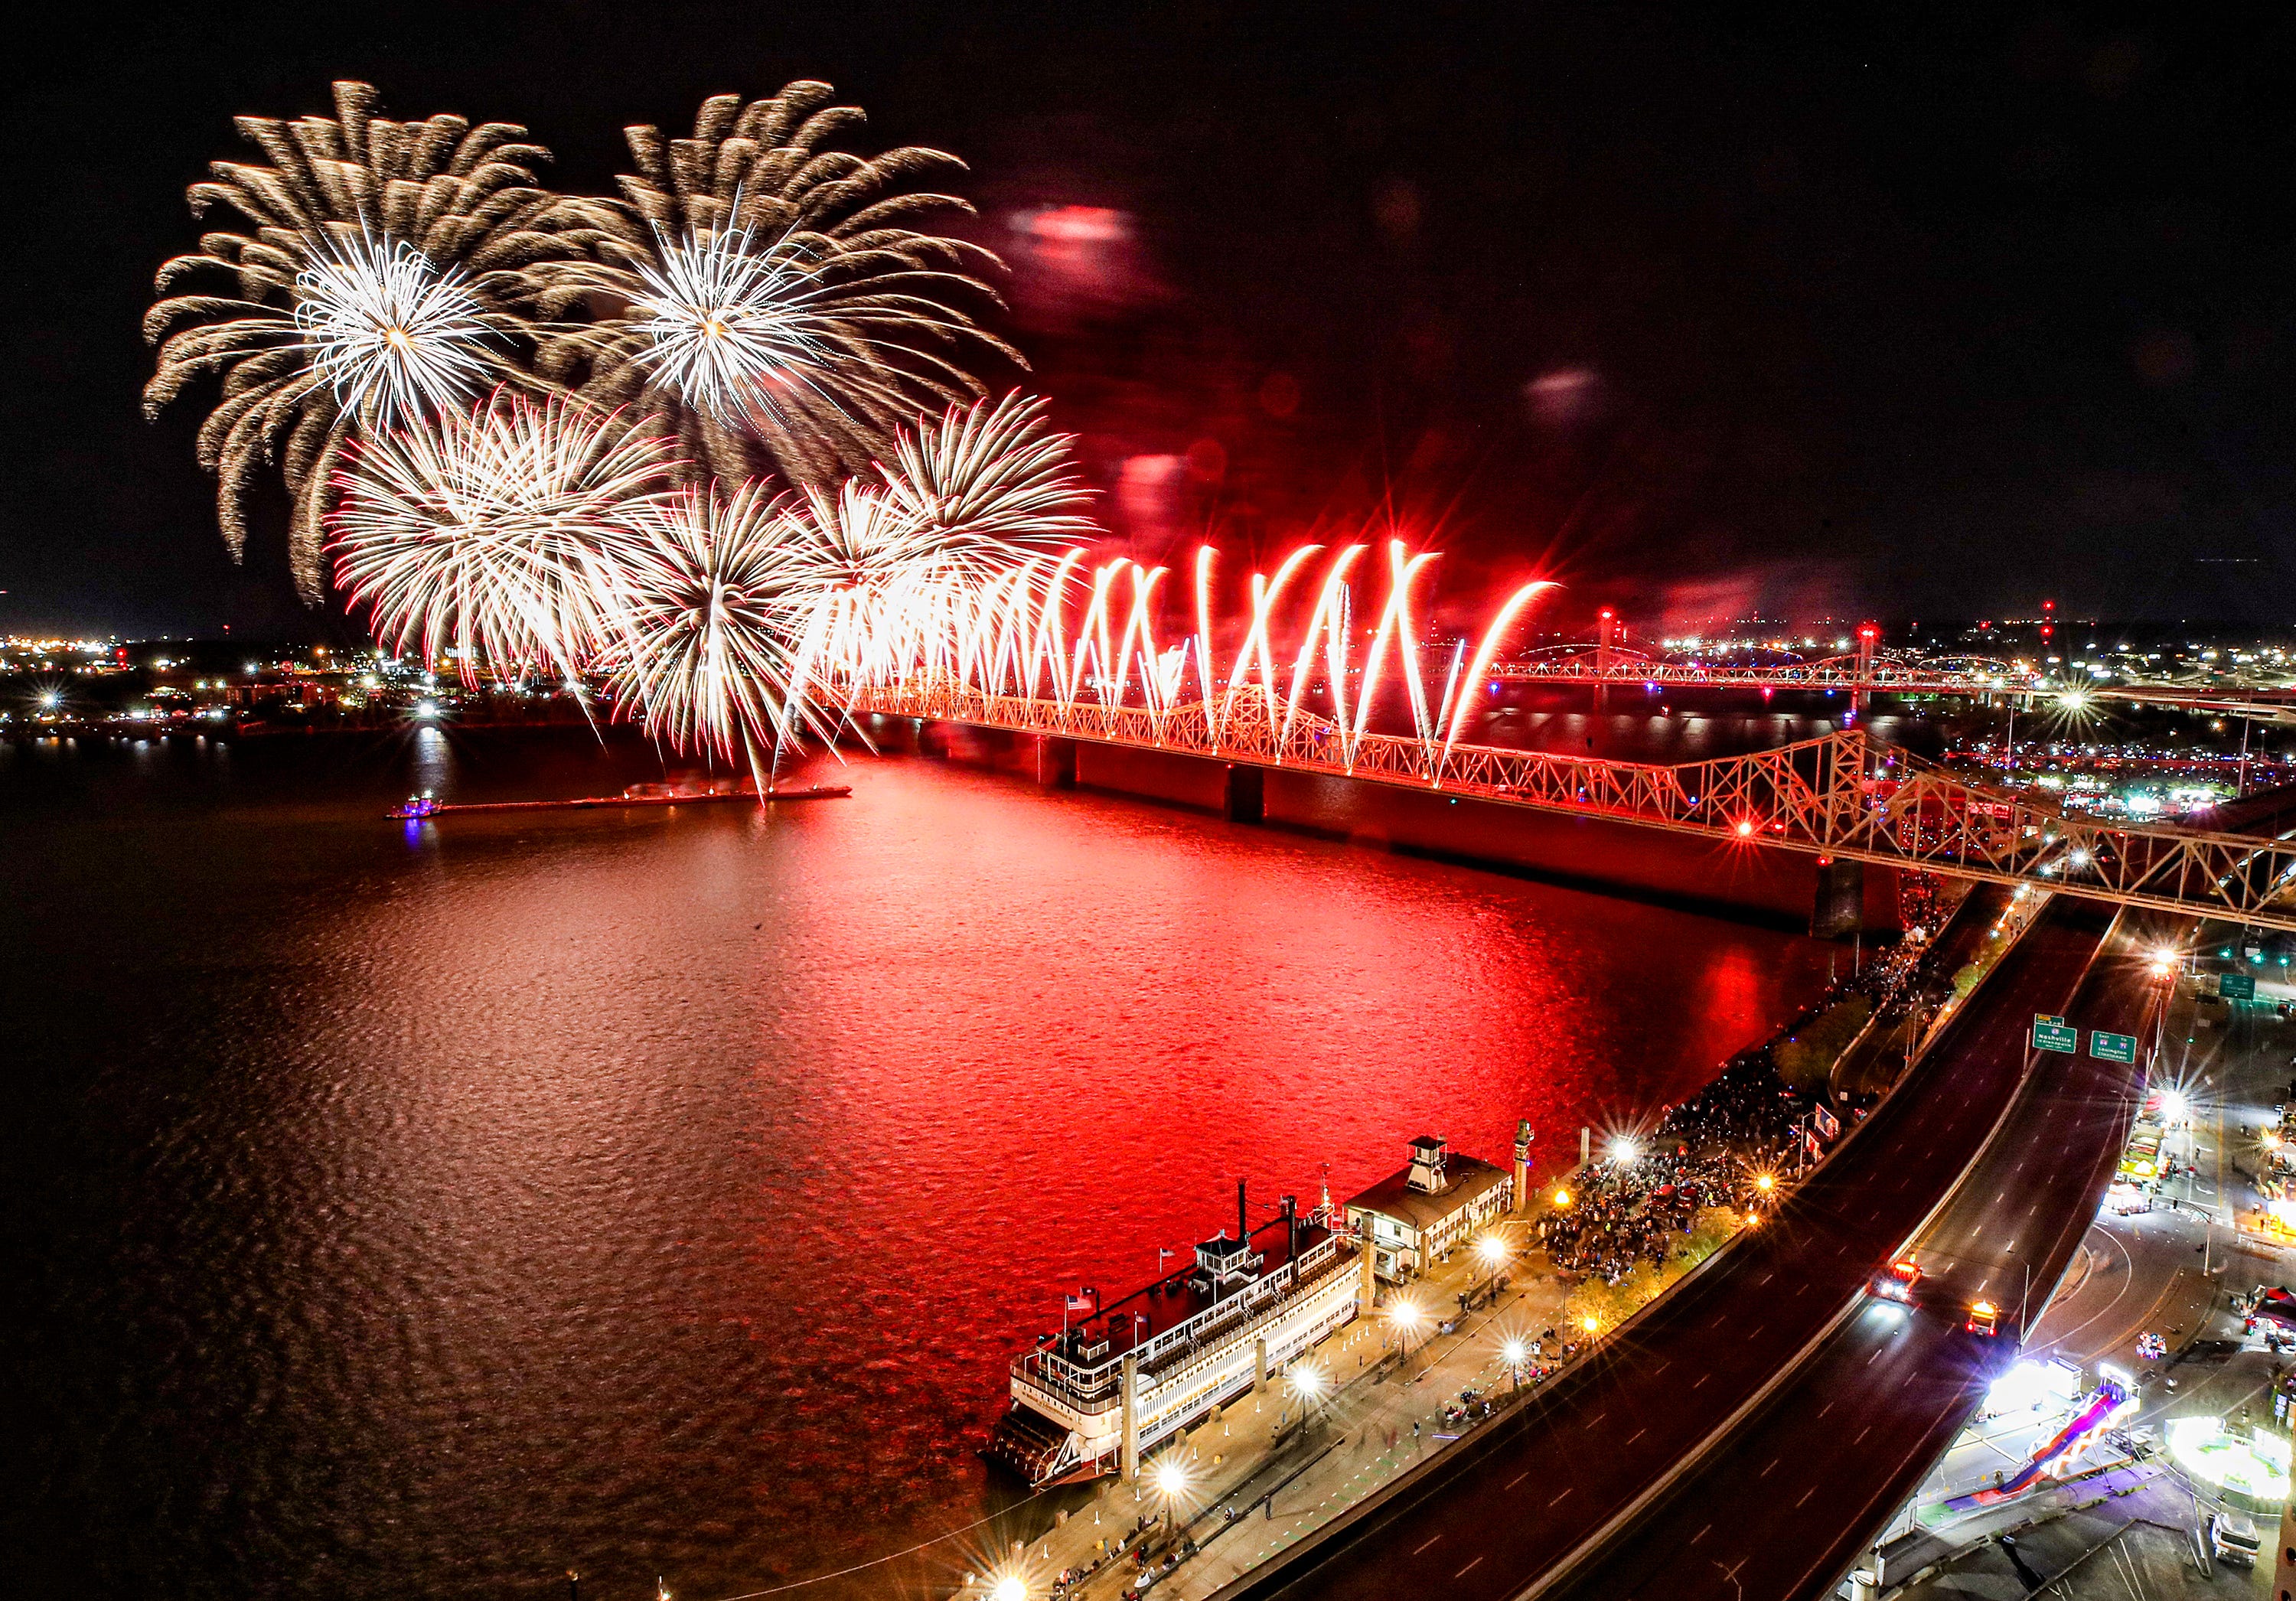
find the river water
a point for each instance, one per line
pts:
(423, 1209)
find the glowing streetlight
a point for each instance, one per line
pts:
(2174, 1107)
(1491, 1251)
(1766, 1182)
(1624, 1150)
(1406, 1316)
(1009, 1588)
(1591, 1323)
(1561, 1196)
(1170, 1478)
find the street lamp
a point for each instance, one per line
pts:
(1009, 1588)
(1171, 1481)
(1515, 1353)
(1624, 1150)
(1406, 1317)
(1307, 1385)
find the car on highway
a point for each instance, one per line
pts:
(1984, 1320)
(1897, 1281)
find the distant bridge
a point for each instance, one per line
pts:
(1835, 797)
(1870, 672)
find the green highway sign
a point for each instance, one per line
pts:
(2237, 986)
(2054, 1034)
(2111, 1048)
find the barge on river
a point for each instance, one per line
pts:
(1106, 1390)
(688, 793)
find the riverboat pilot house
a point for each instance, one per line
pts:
(1412, 1217)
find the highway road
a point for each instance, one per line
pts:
(1509, 1504)
(1788, 1504)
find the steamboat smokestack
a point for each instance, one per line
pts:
(1243, 1218)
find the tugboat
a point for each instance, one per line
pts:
(1174, 1350)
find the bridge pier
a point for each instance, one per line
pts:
(1840, 910)
(1243, 798)
(1056, 762)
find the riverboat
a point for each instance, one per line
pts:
(1120, 1379)
(686, 794)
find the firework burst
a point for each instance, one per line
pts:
(856, 318)
(714, 613)
(997, 477)
(499, 535)
(729, 324)
(378, 321)
(463, 198)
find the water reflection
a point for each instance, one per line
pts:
(663, 1190)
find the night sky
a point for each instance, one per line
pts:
(1902, 315)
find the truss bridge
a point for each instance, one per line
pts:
(1835, 797)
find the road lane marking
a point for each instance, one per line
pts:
(1637, 1434)
(1702, 1379)
(1557, 1501)
(1462, 1573)
(1518, 1479)
(1805, 1495)
(1767, 1471)
(1431, 1541)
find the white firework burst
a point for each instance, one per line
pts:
(714, 621)
(380, 321)
(498, 532)
(728, 323)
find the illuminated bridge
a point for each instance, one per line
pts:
(1868, 672)
(1836, 797)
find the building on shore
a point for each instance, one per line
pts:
(1409, 1219)
(1110, 1388)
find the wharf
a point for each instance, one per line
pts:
(1262, 1477)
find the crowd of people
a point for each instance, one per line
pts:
(1636, 1204)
